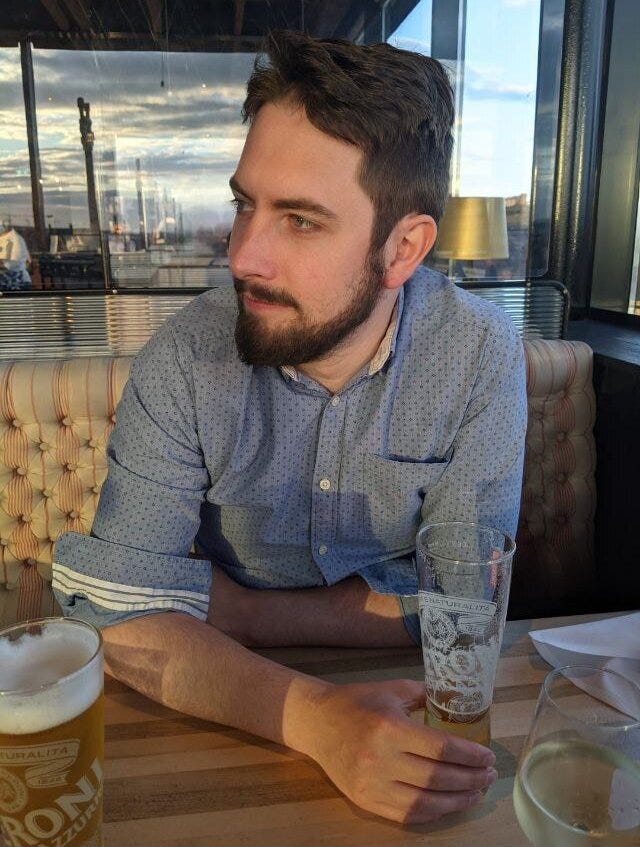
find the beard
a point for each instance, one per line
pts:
(305, 340)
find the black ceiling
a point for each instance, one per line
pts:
(218, 25)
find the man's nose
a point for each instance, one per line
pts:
(251, 250)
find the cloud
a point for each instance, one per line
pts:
(188, 134)
(484, 82)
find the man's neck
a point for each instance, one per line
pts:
(336, 369)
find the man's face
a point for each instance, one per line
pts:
(299, 249)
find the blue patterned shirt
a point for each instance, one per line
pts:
(266, 474)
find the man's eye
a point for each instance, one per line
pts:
(238, 204)
(302, 223)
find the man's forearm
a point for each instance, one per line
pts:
(347, 614)
(190, 666)
(360, 734)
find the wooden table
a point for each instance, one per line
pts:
(177, 780)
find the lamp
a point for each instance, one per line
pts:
(473, 228)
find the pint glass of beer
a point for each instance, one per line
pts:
(51, 734)
(464, 574)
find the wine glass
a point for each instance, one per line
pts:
(578, 778)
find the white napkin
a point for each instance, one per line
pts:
(613, 643)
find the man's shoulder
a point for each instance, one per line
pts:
(201, 330)
(206, 324)
(443, 307)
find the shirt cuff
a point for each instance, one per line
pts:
(411, 616)
(399, 577)
(106, 583)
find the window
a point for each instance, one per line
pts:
(492, 56)
(617, 238)
(16, 211)
(139, 129)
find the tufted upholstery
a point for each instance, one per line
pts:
(555, 569)
(56, 417)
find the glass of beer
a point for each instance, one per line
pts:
(578, 779)
(464, 574)
(51, 734)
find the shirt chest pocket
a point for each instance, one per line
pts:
(394, 491)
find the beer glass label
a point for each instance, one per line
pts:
(460, 646)
(446, 603)
(44, 765)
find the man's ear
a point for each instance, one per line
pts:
(409, 242)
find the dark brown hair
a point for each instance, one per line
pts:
(395, 105)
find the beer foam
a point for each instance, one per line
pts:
(28, 666)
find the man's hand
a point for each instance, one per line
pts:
(363, 738)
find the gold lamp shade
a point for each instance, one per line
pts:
(473, 228)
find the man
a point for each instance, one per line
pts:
(301, 432)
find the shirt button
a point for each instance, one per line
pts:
(322, 549)
(335, 400)
(325, 485)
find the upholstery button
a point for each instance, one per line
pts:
(561, 519)
(96, 489)
(26, 518)
(73, 515)
(322, 549)
(335, 400)
(70, 466)
(66, 422)
(539, 500)
(561, 477)
(112, 418)
(3, 542)
(92, 443)
(47, 492)
(16, 423)
(561, 436)
(325, 484)
(21, 471)
(29, 562)
(44, 446)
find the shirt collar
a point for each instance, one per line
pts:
(385, 348)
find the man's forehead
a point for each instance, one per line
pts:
(286, 156)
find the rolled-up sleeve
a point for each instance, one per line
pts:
(136, 560)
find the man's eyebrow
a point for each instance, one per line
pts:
(299, 204)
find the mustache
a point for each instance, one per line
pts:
(264, 293)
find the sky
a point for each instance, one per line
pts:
(495, 131)
(188, 133)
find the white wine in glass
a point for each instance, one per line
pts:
(578, 778)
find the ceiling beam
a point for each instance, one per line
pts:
(238, 18)
(154, 8)
(55, 13)
(79, 15)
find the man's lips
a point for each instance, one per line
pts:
(260, 305)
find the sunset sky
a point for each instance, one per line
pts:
(188, 133)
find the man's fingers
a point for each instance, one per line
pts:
(442, 747)
(441, 776)
(410, 805)
(411, 692)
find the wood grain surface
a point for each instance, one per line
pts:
(176, 780)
